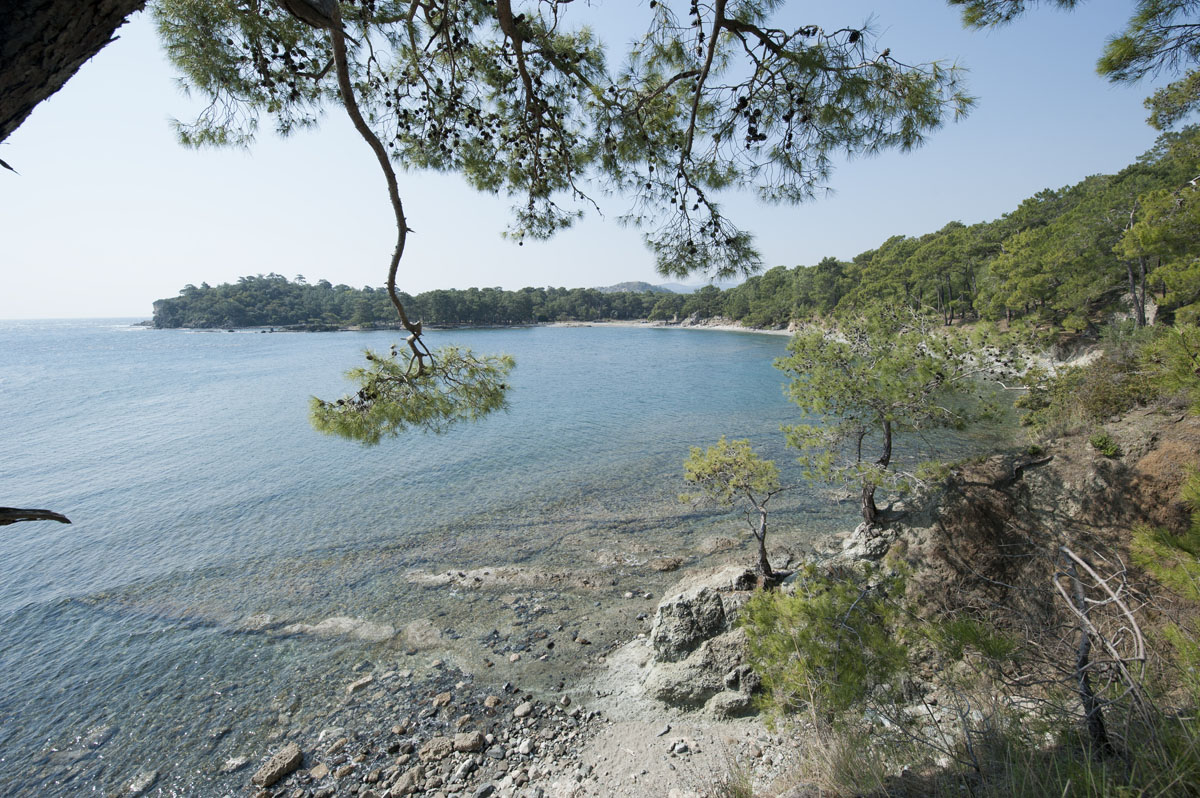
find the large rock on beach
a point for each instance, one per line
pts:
(288, 759)
(696, 609)
(692, 681)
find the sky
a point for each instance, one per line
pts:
(109, 213)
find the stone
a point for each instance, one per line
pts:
(318, 772)
(491, 702)
(464, 769)
(442, 699)
(234, 763)
(436, 749)
(692, 681)
(344, 771)
(514, 657)
(729, 704)
(666, 564)
(97, 736)
(284, 762)
(338, 745)
(408, 782)
(695, 610)
(526, 747)
(143, 782)
(483, 791)
(359, 684)
(523, 710)
(341, 626)
(469, 742)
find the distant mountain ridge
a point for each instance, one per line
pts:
(642, 287)
(636, 287)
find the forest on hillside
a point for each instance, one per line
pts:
(1061, 259)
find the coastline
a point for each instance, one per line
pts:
(718, 324)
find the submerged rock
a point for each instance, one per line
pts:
(341, 626)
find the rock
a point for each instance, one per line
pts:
(462, 771)
(491, 702)
(526, 747)
(694, 680)
(514, 657)
(234, 763)
(143, 782)
(469, 742)
(442, 699)
(664, 730)
(496, 752)
(524, 710)
(483, 791)
(408, 783)
(728, 704)
(344, 771)
(867, 543)
(341, 626)
(436, 749)
(666, 564)
(695, 610)
(284, 762)
(97, 736)
(318, 772)
(358, 684)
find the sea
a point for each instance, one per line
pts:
(202, 502)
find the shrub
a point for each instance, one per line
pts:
(1103, 443)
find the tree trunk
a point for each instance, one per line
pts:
(869, 511)
(1139, 305)
(764, 567)
(43, 43)
(1093, 712)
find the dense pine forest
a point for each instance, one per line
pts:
(1061, 259)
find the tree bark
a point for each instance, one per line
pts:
(764, 567)
(44, 42)
(869, 511)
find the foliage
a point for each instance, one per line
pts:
(524, 101)
(867, 381)
(958, 635)
(396, 394)
(1174, 361)
(1079, 397)
(828, 645)
(275, 301)
(1174, 558)
(732, 474)
(731, 471)
(1104, 443)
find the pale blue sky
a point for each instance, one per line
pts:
(109, 213)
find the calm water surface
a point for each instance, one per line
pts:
(200, 496)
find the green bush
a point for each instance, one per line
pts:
(1103, 443)
(827, 646)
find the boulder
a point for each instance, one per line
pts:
(692, 681)
(696, 609)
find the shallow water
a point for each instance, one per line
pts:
(200, 496)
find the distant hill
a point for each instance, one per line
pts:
(635, 287)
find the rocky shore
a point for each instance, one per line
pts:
(663, 714)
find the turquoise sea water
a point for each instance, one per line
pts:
(200, 495)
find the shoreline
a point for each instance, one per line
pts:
(716, 324)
